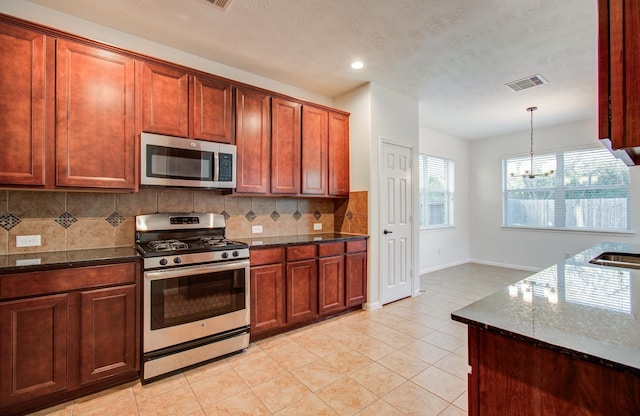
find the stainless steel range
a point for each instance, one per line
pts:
(196, 291)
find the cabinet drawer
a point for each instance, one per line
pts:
(330, 249)
(356, 246)
(301, 252)
(266, 256)
(64, 280)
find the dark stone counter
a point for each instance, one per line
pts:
(588, 311)
(18, 263)
(288, 240)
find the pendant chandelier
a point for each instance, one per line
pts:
(529, 173)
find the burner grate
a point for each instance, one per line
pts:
(167, 245)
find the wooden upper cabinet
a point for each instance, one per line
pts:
(285, 147)
(253, 140)
(164, 94)
(176, 103)
(27, 83)
(95, 118)
(212, 106)
(619, 74)
(338, 154)
(314, 150)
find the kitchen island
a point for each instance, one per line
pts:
(564, 341)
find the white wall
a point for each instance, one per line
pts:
(42, 15)
(379, 113)
(530, 249)
(358, 102)
(445, 247)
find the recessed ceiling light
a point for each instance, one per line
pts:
(357, 65)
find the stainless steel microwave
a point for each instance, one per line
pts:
(177, 162)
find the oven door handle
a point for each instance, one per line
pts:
(191, 270)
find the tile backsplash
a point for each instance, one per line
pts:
(79, 220)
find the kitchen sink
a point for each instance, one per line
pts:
(626, 260)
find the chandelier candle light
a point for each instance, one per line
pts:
(529, 173)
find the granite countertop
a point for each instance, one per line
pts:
(300, 239)
(17, 263)
(594, 316)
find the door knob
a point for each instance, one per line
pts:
(387, 232)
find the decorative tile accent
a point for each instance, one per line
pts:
(275, 215)
(226, 215)
(250, 216)
(297, 215)
(317, 215)
(8, 221)
(115, 219)
(350, 215)
(66, 220)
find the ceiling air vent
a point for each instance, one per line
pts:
(221, 4)
(528, 82)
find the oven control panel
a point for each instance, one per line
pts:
(173, 260)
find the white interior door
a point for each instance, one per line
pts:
(395, 213)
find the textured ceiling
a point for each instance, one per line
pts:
(454, 56)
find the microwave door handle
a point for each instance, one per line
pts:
(216, 167)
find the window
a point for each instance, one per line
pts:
(436, 191)
(588, 190)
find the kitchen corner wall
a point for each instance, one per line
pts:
(80, 220)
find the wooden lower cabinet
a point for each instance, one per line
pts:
(34, 348)
(513, 377)
(330, 277)
(356, 272)
(302, 290)
(268, 297)
(292, 286)
(108, 332)
(355, 278)
(66, 333)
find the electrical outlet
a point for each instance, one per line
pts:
(317, 226)
(256, 229)
(28, 241)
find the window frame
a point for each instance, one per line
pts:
(561, 190)
(423, 192)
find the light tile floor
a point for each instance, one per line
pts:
(407, 358)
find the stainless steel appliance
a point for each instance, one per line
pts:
(177, 162)
(195, 291)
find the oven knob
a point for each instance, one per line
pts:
(225, 255)
(235, 253)
(177, 260)
(163, 262)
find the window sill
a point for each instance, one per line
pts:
(568, 230)
(438, 228)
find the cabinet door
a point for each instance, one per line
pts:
(95, 117)
(33, 347)
(267, 297)
(338, 154)
(165, 94)
(330, 284)
(356, 278)
(107, 332)
(302, 291)
(619, 74)
(285, 147)
(211, 106)
(314, 150)
(253, 140)
(26, 120)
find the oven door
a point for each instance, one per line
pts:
(187, 303)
